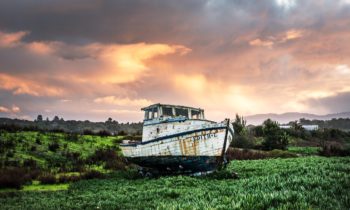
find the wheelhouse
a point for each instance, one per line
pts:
(165, 111)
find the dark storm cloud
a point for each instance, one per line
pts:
(127, 21)
(94, 20)
(213, 24)
(333, 104)
(277, 52)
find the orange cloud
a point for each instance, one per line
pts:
(217, 95)
(11, 39)
(24, 86)
(41, 47)
(4, 109)
(261, 43)
(122, 101)
(293, 34)
(125, 63)
(13, 109)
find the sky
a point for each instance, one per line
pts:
(94, 59)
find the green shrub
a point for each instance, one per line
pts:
(47, 178)
(245, 154)
(334, 150)
(276, 153)
(66, 179)
(274, 137)
(54, 146)
(30, 163)
(13, 177)
(93, 174)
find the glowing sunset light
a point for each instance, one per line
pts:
(112, 58)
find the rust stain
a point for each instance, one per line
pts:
(195, 145)
(185, 146)
(181, 148)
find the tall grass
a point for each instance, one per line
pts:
(292, 183)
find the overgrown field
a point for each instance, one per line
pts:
(50, 150)
(295, 183)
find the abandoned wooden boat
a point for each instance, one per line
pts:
(178, 139)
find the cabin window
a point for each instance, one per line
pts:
(181, 112)
(151, 114)
(154, 113)
(195, 114)
(167, 111)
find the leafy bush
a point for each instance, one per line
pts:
(74, 137)
(117, 163)
(66, 179)
(88, 132)
(102, 154)
(93, 174)
(30, 163)
(245, 141)
(33, 148)
(54, 146)
(244, 154)
(334, 150)
(276, 153)
(104, 133)
(122, 133)
(47, 178)
(13, 177)
(274, 137)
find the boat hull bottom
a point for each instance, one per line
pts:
(178, 164)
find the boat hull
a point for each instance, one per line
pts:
(194, 150)
(178, 164)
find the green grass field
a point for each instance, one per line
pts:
(304, 150)
(35, 145)
(296, 183)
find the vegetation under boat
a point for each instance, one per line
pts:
(178, 139)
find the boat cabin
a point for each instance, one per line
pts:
(165, 111)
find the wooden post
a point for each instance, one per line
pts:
(223, 152)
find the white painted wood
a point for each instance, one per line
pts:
(203, 143)
(182, 141)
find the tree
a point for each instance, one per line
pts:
(241, 137)
(109, 120)
(39, 118)
(274, 136)
(239, 125)
(296, 126)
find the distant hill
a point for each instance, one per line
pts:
(292, 116)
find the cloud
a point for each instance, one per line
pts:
(286, 4)
(258, 42)
(14, 109)
(122, 101)
(332, 104)
(292, 34)
(11, 39)
(4, 109)
(277, 39)
(343, 69)
(225, 56)
(25, 86)
(54, 64)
